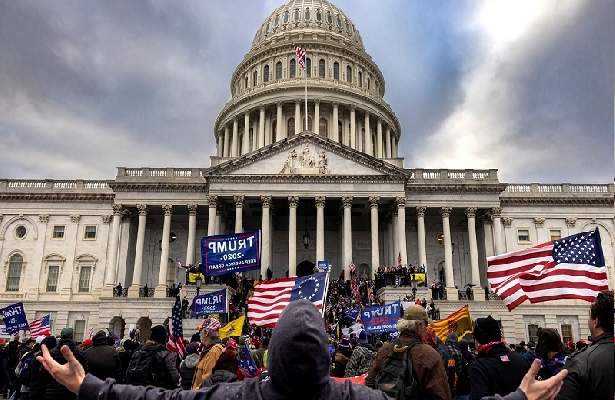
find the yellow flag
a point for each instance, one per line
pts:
(458, 322)
(233, 328)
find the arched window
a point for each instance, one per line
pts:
(292, 68)
(329, 20)
(322, 127)
(318, 15)
(277, 20)
(308, 66)
(348, 74)
(360, 79)
(254, 78)
(278, 70)
(336, 70)
(290, 127)
(286, 16)
(369, 84)
(14, 274)
(321, 68)
(266, 73)
(339, 21)
(296, 14)
(307, 14)
(274, 128)
(245, 82)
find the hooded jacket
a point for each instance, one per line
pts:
(103, 360)
(187, 369)
(298, 369)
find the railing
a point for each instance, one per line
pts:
(466, 175)
(53, 185)
(169, 173)
(558, 188)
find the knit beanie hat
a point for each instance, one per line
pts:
(487, 330)
(159, 334)
(66, 333)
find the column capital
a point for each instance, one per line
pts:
(142, 209)
(293, 201)
(42, 218)
(420, 211)
(106, 219)
(212, 201)
(192, 209)
(507, 221)
(446, 212)
(320, 201)
(374, 201)
(400, 201)
(471, 212)
(571, 222)
(539, 221)
(75, 218)
(167, 209)
(117, 209)
(496, 212)
(266, 200)
(239, 200)
(347, 201)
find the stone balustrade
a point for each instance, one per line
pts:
(50, 185)
(145, 173)
(420, 175)
(539, 189)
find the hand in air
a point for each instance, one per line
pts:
(541, 390)
(70, 374)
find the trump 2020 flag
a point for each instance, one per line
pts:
(270, 298)
(568, 268)
(15, 318)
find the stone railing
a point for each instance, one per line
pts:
(50, 185)
(538, 188)
(453, 175)
(145, 173)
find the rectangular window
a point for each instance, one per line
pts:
(532, 333)
(555, 234)
(58, 232)
(566, 333)
(84, 279)
(79, 330)
(52, 278)
(90, 232)
(14, 276)
(523, 235)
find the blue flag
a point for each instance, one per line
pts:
(225, 254)
(210, 303)
(246, 362)
(15, 318)
(381, 319)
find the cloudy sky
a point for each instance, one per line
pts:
(522, 86)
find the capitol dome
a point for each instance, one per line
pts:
(345, 87)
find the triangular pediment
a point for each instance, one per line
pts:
(306, 154)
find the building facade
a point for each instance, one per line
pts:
(331, 186)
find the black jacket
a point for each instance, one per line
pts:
(43, 386)
(220, 376)
(499, 371)
(103, 360)
(170, 373)
(298, 368)
(187, 369)
(590, 372)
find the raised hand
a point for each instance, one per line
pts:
(541, 390)
(70, 374)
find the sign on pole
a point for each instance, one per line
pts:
(15, 318)
(225, 254)
(381, 319)
(210, 303)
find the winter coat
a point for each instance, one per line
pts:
(361, 361)
(187, 369)
(169, 364)
(220, 376)
(590, 371)
(103, 360)
(496, 371)
(206, 365)
(44, 387)
(298, 370)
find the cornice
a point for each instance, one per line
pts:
(53, 197)
(305, 179)
(158, 187)
(558, 201)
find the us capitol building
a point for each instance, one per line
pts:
(338, 191)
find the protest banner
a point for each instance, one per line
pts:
(233, 328)
(210, 303)
(381, 319)
(323, 266)
(225, 254)
(15, 318)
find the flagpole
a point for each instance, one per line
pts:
(305, 77)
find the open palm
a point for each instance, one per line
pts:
(70, 374)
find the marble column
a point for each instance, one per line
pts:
(191, 234)
(320, 228)
(261, 128)
(245, 146)
(395, 223)
(227, 141)
(353, 128)
(133, 291)
(373, 205)
(161, 289)
(368, 136)
(496, 216)
(238, 213)
(220, 224)
(211, 216)
(297, 117)
(235, 144)
(317, 117)
(293, 202)
(451, 291)
(347, 204)
(479, 293)
(420, 228)
(268, 133)
(219, 143)
(113, 251)
(335, 131)
(360, 136)
(387, 140)
(265, 236)
(379, 152)
(280, 132)
(401, 229)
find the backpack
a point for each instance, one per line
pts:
(397, 378)
(146, 368)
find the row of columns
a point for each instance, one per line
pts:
(385, 145)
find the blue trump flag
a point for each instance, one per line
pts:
(15, 318)
(225, 254)
(381, 319)
(210, 303)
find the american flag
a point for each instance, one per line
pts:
(568, 268)
(271, 297)
(176, 331)
(41, 327)
(300, 53)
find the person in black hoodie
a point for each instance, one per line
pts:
(298, 369)
(496, 370)
(103, 360)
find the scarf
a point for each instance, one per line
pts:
(484, 348)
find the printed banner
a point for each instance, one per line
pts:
(323, 265)
(233, 328)
(15, 318)
(381, 319)
(225, 254)
(210, 303)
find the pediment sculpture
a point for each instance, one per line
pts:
(306, 163)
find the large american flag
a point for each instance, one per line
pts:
(41, 326)
(568, 268)
(176, 331)
(270, 298)
(300, 53)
